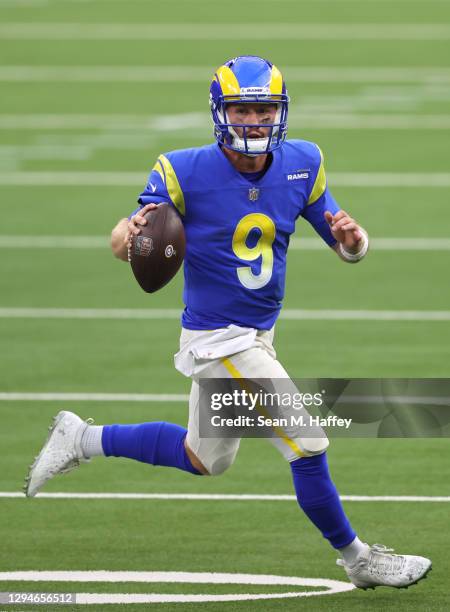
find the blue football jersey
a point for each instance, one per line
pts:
(238, 230)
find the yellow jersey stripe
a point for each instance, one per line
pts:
(276, 82)
(280, 433)
(320, 183)
(159, 170)
(172, 184)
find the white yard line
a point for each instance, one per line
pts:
(377, 244)
(226, 31)
(55, 242)
(171, 313)
(330, 586)
(366, 315)
(354, 121)
(195, 122)
(183, 398)
(223, 497)
(389, 179)
(189, 74)
(113, 179)
(296, 244)
(132, 179)
(110, 121)
(90, 313)
(94, 397)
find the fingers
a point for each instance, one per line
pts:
(349, 225)
(134, 225)
(328, 217)
(333, 219)
(344, 228)
(345, 223)
(148, 207)
(138, 220)
(127, 239)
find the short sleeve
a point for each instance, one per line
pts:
(155, 192)
(320, 200)
(162, 186)
(315, 215)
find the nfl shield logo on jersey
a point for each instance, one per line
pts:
(253, 194)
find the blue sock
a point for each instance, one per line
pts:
(319, 499)
(157, 443)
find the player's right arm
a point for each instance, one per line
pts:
(125, 228)
(154, 193)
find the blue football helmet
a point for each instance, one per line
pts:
(251, 79)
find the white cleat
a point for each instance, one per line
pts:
(61, 452)
(377, 566)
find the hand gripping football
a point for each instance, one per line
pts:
(157, 253)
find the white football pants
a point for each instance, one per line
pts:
(257, 361)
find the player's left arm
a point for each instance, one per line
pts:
(340, 231)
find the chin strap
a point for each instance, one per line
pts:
(255, 146)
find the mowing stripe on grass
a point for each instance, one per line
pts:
(228, 31)
(181, 2)
(34, 3)
(172, 313)
(224, 497)
(203, 74)
(297, 244)
(132, 179)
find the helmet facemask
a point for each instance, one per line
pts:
(225, 130)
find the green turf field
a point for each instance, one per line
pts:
(91, 93)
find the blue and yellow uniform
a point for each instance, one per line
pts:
(238, 229)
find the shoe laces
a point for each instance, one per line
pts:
(75, 461)
(381, 561)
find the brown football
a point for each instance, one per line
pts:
(157, 253)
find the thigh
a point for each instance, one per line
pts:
(292, 441)
(216, 454)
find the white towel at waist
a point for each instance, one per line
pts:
(199, 347)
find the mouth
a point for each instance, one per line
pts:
(254, 135)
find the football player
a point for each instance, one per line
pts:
(239, 200)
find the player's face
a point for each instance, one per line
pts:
(252, 114)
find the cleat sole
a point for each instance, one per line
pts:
(424, 577)
(37, 457)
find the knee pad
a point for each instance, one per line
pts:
(218, 465)
(315, 446)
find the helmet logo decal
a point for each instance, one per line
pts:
(255, 91)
